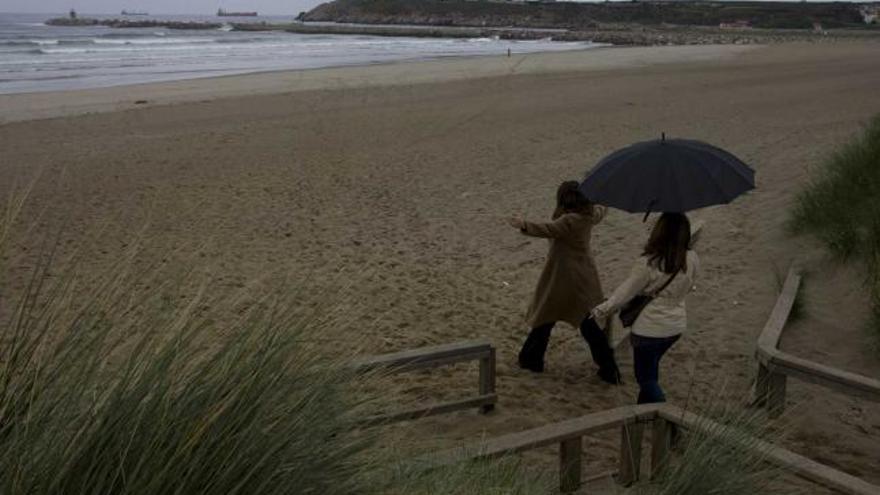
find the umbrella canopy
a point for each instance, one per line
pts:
(674, 175)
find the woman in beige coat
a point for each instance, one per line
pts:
(569, 286)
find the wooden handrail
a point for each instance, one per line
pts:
(425, 357)
(632, 419)
(774, 365)
(432, 357)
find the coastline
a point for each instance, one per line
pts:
(41, 105)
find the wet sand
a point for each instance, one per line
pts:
(394, 182)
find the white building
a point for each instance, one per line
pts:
(870, 14)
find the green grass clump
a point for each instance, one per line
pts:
(124, 392)
(841, 207)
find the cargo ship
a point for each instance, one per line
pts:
(223, 13)
(130, 12)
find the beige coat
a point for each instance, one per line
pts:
(569, 286)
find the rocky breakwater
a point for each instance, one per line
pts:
(124, 23)
(688, 35)
(614, 34)
(411, 31)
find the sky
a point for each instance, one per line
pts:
(267, 7)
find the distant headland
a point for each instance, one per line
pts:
(618, 23)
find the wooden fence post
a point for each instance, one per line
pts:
(487, 378)
(570, 464)
(762, 386)
(661, 441)
(776, 394)
(630, 452)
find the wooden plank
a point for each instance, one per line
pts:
(570, 464)
(773, 361)
(422, 412)
(820, 374)
(546, 435)
(425, 357)
(661, 442)
(776, 394)
(762, 386)
(437, 362)
(487, 379)
(795, 463)
(631, 432)
(769, 338)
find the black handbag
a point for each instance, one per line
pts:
(630, 311)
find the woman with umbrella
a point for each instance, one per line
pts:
(672, 176)
(569, 285)
(666, 270)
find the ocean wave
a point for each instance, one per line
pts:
(30, 42)
(75, 42)
(151, 41)
(488, 39)
(135, 48)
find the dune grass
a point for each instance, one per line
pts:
(840, 207)
(723, 456)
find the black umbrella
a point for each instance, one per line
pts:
(674, 175)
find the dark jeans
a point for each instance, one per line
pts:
(532, 354)
(647, 352)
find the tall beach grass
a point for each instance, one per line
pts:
(723, 455)
(841, 207)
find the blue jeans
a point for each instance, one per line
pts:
(647, 352)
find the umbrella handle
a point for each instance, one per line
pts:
(648, 210)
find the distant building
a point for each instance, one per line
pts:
(870, 14)
(72, 14)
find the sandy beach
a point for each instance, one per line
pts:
(388, 185)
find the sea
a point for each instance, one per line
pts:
(35, 57)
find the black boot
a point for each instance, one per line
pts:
(610, 375)
(531, 357)
(603, 354)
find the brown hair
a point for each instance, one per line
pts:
(667, 247)
(569, 199)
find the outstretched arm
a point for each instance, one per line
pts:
(638, 279)
(550, 230)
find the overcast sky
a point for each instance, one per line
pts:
(268, 7)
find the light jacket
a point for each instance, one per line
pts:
(666, 315)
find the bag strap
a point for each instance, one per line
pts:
(658, 291)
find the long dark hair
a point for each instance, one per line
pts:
(570, 200)
(668, 245)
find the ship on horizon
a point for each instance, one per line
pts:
(133, 12)
(224, 13)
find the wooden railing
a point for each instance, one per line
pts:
(432, 357)
(774, 365)
(631, 420)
